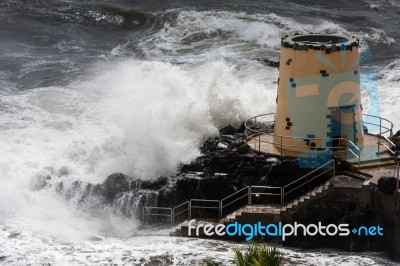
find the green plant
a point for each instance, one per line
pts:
(258, 255)
(255, 255)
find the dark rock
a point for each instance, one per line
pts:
(269, 62)
(14, 235)
(228, 130)
(242, 128)
(235, 144)
(244, 148)
(387, 184)
(209, 145)
(156, 184)
(113, 185)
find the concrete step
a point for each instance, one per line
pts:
(382, 158)
(271, 212)
(376, 164)
(308, 196)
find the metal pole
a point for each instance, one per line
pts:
(190, 210)
(380, 134)
(220, 210)
(249, 195)
(172, 216)
(282, 195)
(398, 176)
(334, 168)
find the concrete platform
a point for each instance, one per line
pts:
(379, 172)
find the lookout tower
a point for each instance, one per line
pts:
(319, 96)
(318, 105)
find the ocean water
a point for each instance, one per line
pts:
(90, 88)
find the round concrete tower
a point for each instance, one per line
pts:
(319, 96)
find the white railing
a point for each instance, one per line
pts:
(247, 193)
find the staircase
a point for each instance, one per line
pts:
(252, 214)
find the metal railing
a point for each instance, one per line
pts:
(216, 203)
(254, 189)
(176, 212)
(299, 184)
(157, 213)
(235, 197)
(246, 194)
(265, 125)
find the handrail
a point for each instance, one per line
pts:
(146, 214)
(240, 190)
(355, 155)
(322, 166)
(253, 130)
(391, 143)
(175, 213)
(309, 180)
(222, 206)
(186, 202)
(249, 194)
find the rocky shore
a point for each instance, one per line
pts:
(228, 164)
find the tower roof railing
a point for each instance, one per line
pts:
(264, 125)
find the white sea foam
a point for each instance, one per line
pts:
(24, 248)
(139, 118)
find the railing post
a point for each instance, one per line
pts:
(249, 195)
(283, 195)
(380, 134)
(190, 209)
(259, 142)
(398, 170)
(334, 168)
(220, 210)
(172, 216)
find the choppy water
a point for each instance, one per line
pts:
(89, 88)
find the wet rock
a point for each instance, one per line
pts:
(269, 62)
(14, 235)
(272, 160)
(115, 184)
(387, 184)
(228, 130)
(210, 144)
(244, 148)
